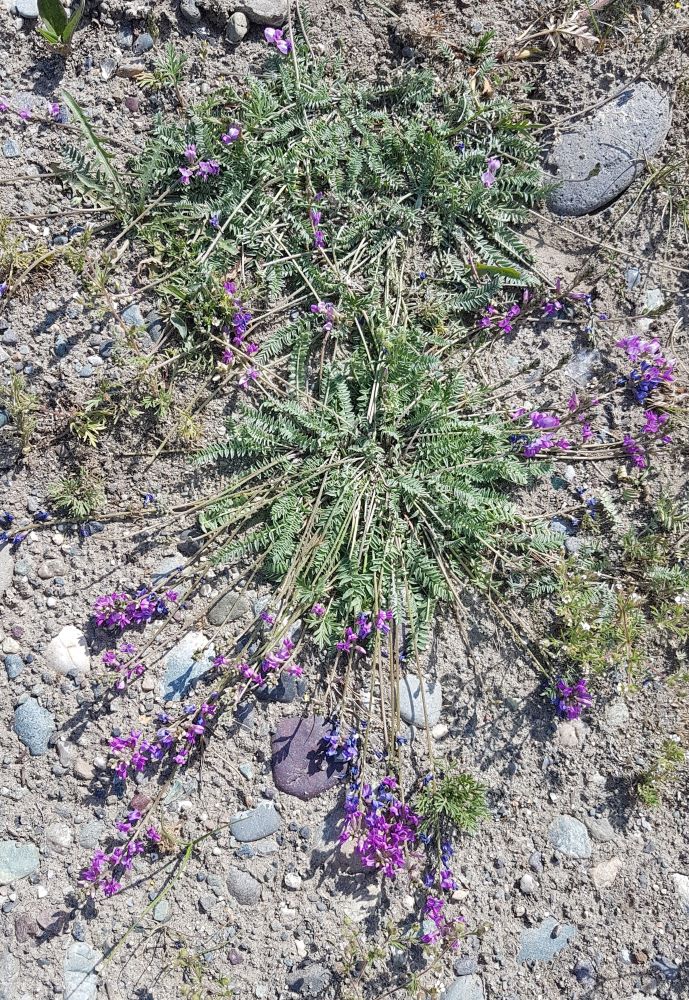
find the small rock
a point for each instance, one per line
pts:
(236, 29)
(27, 9)
(527, 884)
(68, 653)
(571, 734)
(465, 966)
(270, 12)
(654, 302)
(598, 159)
(14, 666)
(540, 944)
(632, 277)
(243, 887)
(83, 770)
(616, 715)
(600, 828)
(51, 568)
(184, 665)
(59, 835)
(125, 37)
(312, 981)
(411, 702)
(6, 568)
(229, 608)
(292, 881)
(604, 874)
(144, 43)
(247, 771)
(80, 979)
(161, 911)
(133, 316)
(190, 11)
(569, 836)
(584, 972)
(681, 883)
(10, 147)
(17, 860)
(300, 766)
(254, 824)
(34, 726)
(536, 862)
(465, 988)
(90, 834)
(440, 731)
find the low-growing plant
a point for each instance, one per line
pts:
(22, 406)
(77, 497)
(56, 26)
(167, 73)
(651, 784)
(451, 802)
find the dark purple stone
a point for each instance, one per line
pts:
(300, 766)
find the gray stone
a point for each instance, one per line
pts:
(681, 883)
(603, 875)
(312, 981)
(616, 715)
(34, 726)
(13, 665)
(59, 835)
(68, 653)
(190, 11)
(125, 37)
(133, 316)
(229, 608)
(161, 911)
(540, 944)
(17, 860)
(582, 368)
(90, 834)
(465, 988)
(81, 981)
(600, 828)
(11, 149)
(6, 568)
(465, 966)
(411, 703)
(598, 159)
(527, 884)
(569, 836)
(237, 28)
(27, 9)
(254, 824)
(243, 887)
(299, 764)
(632, 276)
(164, 570)
(654, 302)
(271, 12)
(183, 667)
(144, 43)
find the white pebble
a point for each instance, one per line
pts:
(301, 948)
(440, 731)
(41, 891)
(292, 881)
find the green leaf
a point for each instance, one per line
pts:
(101, 155)
(506, 272)
(53, 14)
(73, 23)
(49, 35)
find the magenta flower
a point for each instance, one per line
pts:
(185, 174)
(25, 114)
(232, 134)
(586, 432)
(318, 610)
(208, 168)
(319, 239)
(4, 106)
(654, 422)
(275, 36)
(571, 699)
(635, 451)
(250, 375)
(54, 110)
(492, 167)
(190, 152)
(544, 421)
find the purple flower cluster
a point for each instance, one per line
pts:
(504, 323)
(241, 318)
(383, 826)
(488, 175)
(279, 660)
(315, 216)
(119, 609)
(635, 451)
(353, 637)
(106, 869)
(341, 750)
(653, 369)
(571, 699)
(120, 660)
(173, 743)
(276, 37)
(201, 168)
(327, 311)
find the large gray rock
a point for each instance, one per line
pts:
(569, 836)
(465, 988)
(411, 701)
(27, 9)
(300, 766)
(17, 860)
(81, 982)
(188, 660)
(6, 568)
(271, 12)
(237, 27)
(254, 824)
(598, 159)
(540, 944)
(34, 726)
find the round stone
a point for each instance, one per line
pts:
(412, 701)
(34, 726)
(243, 887)
(569, 836)
(237, 27)
(68, 653)
(300, 766)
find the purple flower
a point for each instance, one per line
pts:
(185, 174)
(544, 421)
(250, 375)
(3, 288)
(571, 699)
(492, 167)
(153, 835)
(208, 168)
(190, 152)
(54, 110)
(551, 309)
(319, 239)
(654, 422)
(635, 451)
(4, 106)
(214, 220)
(275, 36)
(25, 114)
(318, 610)
(232, 134)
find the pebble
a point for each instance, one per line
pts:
(183, 668)
(51, 568)
(465, 966)
(144, 43)
(243, 887)
(311, 981)
(411, 704)
(654, 302)
(254, 824)
(603, 875)
(536, 861)
(681, 883)
(538, 944)
(68, 653)
(600, 828)
(571, 734)
(190, 11)
(440, 731)
(34, 726)
(80, 981)
(10, 645)
(59, 835)
(90, 834)
(17, 860)
(133, 316)
(632, 277)
(292, 881)
(6, 568)
(299, 764)
(569, 836)
(237, 27)
(125, 37)
(27, 9)
(598, 159)
(229, 608)
(616, 714)
(270, 12)
(527, 884)
(247, 771)
(161, 911)
(584, 972)
(465, 988)
(11, 149)
(14, 666)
